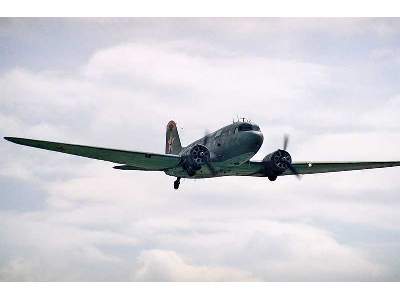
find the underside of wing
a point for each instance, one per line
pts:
(326, 167)
(256, 168)
(136, 160)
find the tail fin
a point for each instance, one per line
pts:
(173, 143)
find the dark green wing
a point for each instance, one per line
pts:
(137, 160)
(255, 168)
(326, 167)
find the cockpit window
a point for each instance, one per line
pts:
(245, 127)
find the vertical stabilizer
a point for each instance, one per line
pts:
(172, 143)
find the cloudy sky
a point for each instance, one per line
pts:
(332, 84)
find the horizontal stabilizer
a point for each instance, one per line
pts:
(128, 167)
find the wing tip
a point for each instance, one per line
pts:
(9, 138)
(15, 140)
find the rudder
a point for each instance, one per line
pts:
(172, 142)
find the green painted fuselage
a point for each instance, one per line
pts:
(229, 146)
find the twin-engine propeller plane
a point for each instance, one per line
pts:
(225, 152)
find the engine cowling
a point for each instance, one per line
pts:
(194, 158)
(276, 163)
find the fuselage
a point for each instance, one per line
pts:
(231, 145)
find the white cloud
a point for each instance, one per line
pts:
(270, 250)
(298, 252)
(20, 269)
(162, 265)
(113, 225)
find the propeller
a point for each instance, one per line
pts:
(289, 163)
(206, 137)
(208, 163)
(285, 141)
(294, 171)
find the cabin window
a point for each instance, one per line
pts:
(256, 128)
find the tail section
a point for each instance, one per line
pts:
(173, 143)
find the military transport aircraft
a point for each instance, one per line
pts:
(225, 152)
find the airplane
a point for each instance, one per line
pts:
(224, 152)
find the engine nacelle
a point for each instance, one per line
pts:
(194, 158)
(276, 163)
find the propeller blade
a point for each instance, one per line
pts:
(294, 171)
(285, 141)
(206, 136)
(208, 164)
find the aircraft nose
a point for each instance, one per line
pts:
(254, 139)
(259, 138)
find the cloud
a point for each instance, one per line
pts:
(269, 250)
(40, 248)
(285, 250)
(162, 265)
(20, 269)
(307, 78)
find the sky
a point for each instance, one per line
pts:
(332, 84)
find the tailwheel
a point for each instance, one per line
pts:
(177, 182)
(272, 177)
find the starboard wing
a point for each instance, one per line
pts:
(138, 160)
(256, 168)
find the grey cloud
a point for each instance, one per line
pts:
(162, 265)
(76, 219)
